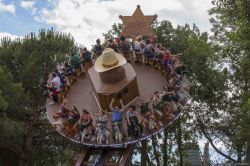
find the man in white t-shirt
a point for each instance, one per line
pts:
(54, 88)
(138, 45)
(56, 82)
(138, 48)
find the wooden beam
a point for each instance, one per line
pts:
(82, 156)
(127, 155)
(144, 152)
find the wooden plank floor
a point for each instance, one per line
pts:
(81, 96)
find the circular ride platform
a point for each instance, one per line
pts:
(81, 95)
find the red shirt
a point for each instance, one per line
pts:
(166, 57)
(86, 118)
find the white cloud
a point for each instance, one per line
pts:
(12, 37)
(86, 20)
(27, 4)
(10, 8)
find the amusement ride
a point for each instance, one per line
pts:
(125, 98)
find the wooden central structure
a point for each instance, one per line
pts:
(126, 89)
(119, 83)
(137, 24)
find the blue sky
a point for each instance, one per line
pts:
(22, 21)
(86, 20)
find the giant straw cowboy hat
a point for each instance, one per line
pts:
(109, 60)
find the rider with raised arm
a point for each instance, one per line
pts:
(116, 111)
(116, 114)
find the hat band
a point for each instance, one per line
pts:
(112, 65)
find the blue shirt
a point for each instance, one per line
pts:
(116, 115)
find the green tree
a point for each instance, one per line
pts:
(25, 65)
(208, 90)
(115, 31)
(231, 28)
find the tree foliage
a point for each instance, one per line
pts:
(25, 65)
(231, 28)
(114, 32)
